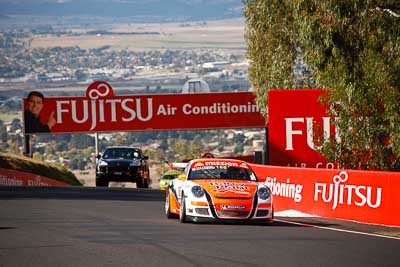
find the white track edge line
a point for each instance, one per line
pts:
(338, 230)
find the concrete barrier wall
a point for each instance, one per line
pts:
(364, 196)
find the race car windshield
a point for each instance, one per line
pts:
(221, 172)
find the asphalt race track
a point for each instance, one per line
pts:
(81, 226)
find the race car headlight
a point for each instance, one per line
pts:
(264, 192)
(103, 163)
(197, 191)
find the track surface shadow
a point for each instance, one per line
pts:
(79, 192)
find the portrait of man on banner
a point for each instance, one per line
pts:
(33, 120)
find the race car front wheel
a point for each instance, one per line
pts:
(182, 211)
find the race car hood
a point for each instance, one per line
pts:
(229, 188)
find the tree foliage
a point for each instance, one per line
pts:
(3, 132)
(270, 47)
(352, 48)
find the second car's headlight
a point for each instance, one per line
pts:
(264, 192)
(197, 191)
(103, 163)
(134, 163)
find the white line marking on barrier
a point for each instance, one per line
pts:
(293, 213)
(338, 230)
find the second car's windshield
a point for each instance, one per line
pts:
(121, 153)
(221, 172)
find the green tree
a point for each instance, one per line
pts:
(16, 124)
(81, 141)
(271, 47)
(80, 75)
(239, 139)
(352, 48)
(3, 132)
(184, 150)
(164, 144)
(238, 150)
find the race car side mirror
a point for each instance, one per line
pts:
(182, 177)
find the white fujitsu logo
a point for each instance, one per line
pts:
(308, 130)
(346, 194)
(98, 105)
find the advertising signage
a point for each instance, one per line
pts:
(100, 110)
(296, 120)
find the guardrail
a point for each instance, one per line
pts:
(364, 196)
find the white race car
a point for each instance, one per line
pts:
(219, 190)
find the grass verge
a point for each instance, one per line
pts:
(49, 170)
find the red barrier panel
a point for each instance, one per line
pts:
(296, 119)
(364, 196)
(16, 178)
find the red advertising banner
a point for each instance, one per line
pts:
(295, 120)
(364, 196)
(101, 111)
(17, 178)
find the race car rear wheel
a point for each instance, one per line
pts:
(168, 207)
(139, 183)
(182, 212)
(146, 183)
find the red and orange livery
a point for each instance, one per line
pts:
(218, 190)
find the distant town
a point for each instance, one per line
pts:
(20, 63)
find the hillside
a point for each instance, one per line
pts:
(25, 164)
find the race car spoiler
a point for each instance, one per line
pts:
(179, 165)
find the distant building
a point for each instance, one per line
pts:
(195, 86)
(217, 65)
